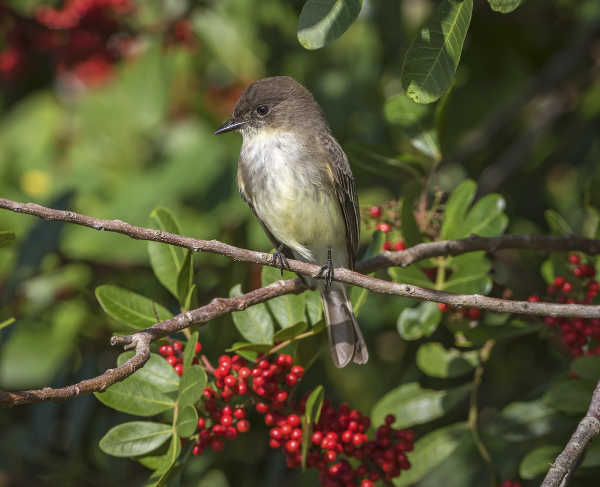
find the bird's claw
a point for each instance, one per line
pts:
(279, 259)
(326, 271)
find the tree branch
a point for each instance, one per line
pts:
(219, 306)
(567, 461)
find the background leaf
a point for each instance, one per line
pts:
(322, 21)
(422, 320)
(504, 6)
(536, 462)
(433, 56)
(255, 323)
(436, 361)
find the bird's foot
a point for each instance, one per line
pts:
(326, 271)
(279, 259)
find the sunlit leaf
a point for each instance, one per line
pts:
(322, 21)
(504, 6)
(6, 237)
(436, 361)
(191, 386)
(288, 309)
(135, 438)
(421, 320)
(187, 421)
(156, 372)
(135, 396)
(433, 55)
(255, 323)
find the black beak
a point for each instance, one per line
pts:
(229, 126)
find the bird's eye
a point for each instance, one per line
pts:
(262, 110)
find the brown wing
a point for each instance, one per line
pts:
(345, 189)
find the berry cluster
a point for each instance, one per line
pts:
(469, 313)
(376, 213)
(269, 385)
(580, 336)
(173, 354)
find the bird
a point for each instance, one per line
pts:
(297, 180)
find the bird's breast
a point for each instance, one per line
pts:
(292, 193)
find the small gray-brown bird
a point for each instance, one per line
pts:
(297, 180)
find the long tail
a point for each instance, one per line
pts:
(345, 339)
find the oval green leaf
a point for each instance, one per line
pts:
(436, 361)
(537, 462)
(422, 320)
(255, 323)
(570, 396)
(431, 450)
(504, 6)
(156, 372)
(135, 438)
(288, 310)
(456, 210)
(587, 367)
(413, 405)
(187, 421)
(129, 308)
(322, 21)
(433, 55)
(191, 386)
(135, 396)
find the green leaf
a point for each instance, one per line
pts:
(413, 405)
(314, 306)
(156, 372)
(135, 396)
(322, 21)
(400, 109)
(6, 237)
(436, 361)
(130, 308)
(481, 333)
(504, 6)
(135, 438)
(185, 283)
(187, 421)
(168, 460)
(558, 225)
(255, 323)
(486, 218)
(433, 55)
(456, 210)
(469, 274)
(410, 230)
(189, 352)
(166, 260)
(412, 274)
(191, 386)
(252, 347)
(422, 320)
(290, 332)
(431, 450)
(587, 367)
(314, 403)
(6, 323)
(312, 412)
(537, 462)
(288, 309)
(570, 396)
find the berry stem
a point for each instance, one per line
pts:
(207, 365)
(484, 355)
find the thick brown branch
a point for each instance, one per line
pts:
(567, 461)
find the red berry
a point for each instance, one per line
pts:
(292, 446)
(239, 413)
(244, 373)
(559, 281)
(399, 245)
(366, 483)
(273, 443)
(317, 437)
(567, 287)
(291, 380)
(384, 227)
(574, 259)
(331, 455)
(387, 245)
(217, 444)
(275, 433)
(296, 434)
(230, 381)
(297, 371)
(226, 420)
(201, 423)
(390, 419)
(474, 313)
(293, 420)
(243, 425)
(281, 396)
(443, 307)
(163, 350)
(172, 359)
(178, 346)
(178, 369)
(375, 211)
(169, 350)
(198, 347)
(533, 299)
(197, 450)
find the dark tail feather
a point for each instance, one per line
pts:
(345, 339)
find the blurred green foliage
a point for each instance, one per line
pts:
(521, 117)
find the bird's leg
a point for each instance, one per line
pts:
(326, 272)
(279, 259)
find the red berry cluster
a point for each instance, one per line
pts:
(470, 313)
(510, 483)
(269, 385)
(376, 213)
(174, 355)
(581, 336)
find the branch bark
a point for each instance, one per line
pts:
(219, 306)
(568, 459)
